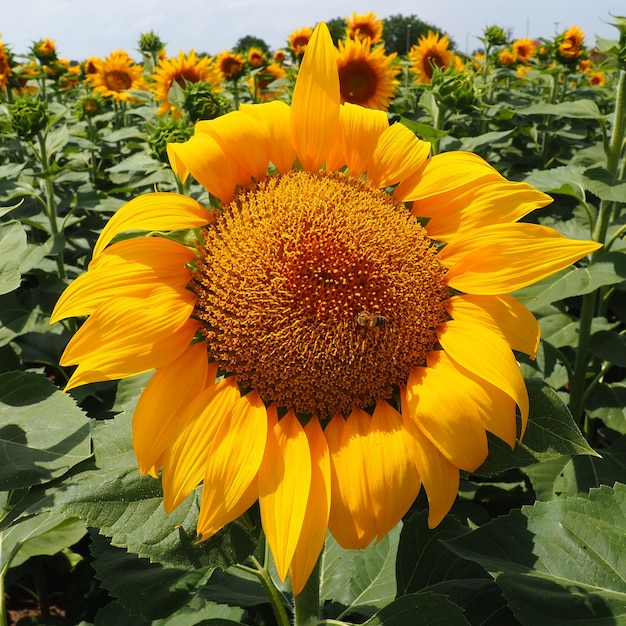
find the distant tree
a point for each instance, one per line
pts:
(337, 28)
(250, 41)
(400, 32)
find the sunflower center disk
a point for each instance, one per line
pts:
(319, 291)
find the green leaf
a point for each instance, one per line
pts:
(144, 588)
(472, 144)
(56, 140)
(609, 188)
(360, 578)
(608, 403)
(551, 432)
(12, 247)
(432, 609)
(43, 432)
(567, 180)
(609, 346)
(581, 109)
(559, 562)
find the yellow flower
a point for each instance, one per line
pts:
(230, 64)
(299, 39)
(506, 57)
(429, 51)
(116, 77)
(263, 80)
(524, 49)
(597, 79)
(571, 46)
(522, 71)
(366, 77)
(357, 357)
(5, 67)
(256, 57)
(184, 68)
(280, 56)
(366, 26)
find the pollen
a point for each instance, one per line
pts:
(287, 273)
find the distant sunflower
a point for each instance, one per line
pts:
(256, 58)
(230, 64)
(524, 49)
(45, 51)
(117, 76)
(182, 69)
(366, 77)
(263, 82)
(5, 67)
(597, 79)
(280, 56)
(431, 50)
(506, 57)
(571, 44)
(353, 294)
(367, 26)
(299, 39)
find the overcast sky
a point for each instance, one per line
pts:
(82, 28)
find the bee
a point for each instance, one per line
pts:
(370, 320)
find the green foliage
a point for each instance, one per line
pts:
(400, 32)
(244, 44)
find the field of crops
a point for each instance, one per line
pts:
(272, 212)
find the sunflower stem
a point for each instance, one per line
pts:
(307, 602)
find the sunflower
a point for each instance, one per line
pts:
(319, 350)
(524, 49)
(263, 81)
(597, 79)
(571, 45)
(45, 51)
(5, 66)
(366, 26)
(256, 57)
(429, 51)
(299, 39)
(116, 77)
(366, 77)
(280, 56)
(506, 57)
(182, 69)
(230, 64)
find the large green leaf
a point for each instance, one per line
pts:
(12, 247)
(559, 563)
(609, 346)
(600, 182)
(567, 180)
(608, 403)
(43, 432)
(582, 109)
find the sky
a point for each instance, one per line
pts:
(82, 28)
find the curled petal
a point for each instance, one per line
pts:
(154, 211)
(284, 487)
(505, 257)
(487, 355)
(157, 417)
(504, 314)
(398, 154)
(315, 102)
(315, 522)
(233, 459)
(352, 520)
(184, 463)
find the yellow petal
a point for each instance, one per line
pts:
(494, 202)
(352, 521)
(360, 129)
(128, 336)
(207, 162)
(154, 211)
(185, 460)
(315, 102)
(315, 522)
(391, 472)
(284, 486)
(502, 258)
(441, 400)
(156, 420)
(244, 141)
(233, 459)
(487, 355)
(504, 314)
(397, 155)
(135, 267)
(448, 171)
(276, 116)
(439, 476)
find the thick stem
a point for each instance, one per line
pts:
(616, 143)
(307, 602)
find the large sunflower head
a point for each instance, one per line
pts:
(186, 68)
(340, 335)
(367, 26)
(299, 39)
(367, 76)
(116, 77)
(430, 51)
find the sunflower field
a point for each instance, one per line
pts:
(324, 335)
